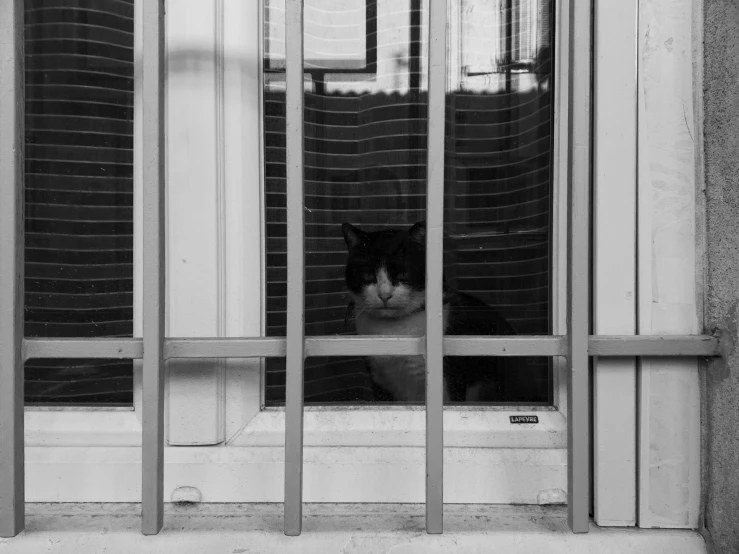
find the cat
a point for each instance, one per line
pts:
(386, 277)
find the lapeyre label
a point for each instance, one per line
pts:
(524, 419)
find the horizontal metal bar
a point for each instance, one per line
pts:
(506, 346)
(96, 348)
(364, 346)
(274, 347)
(267, 347)
(653, 345)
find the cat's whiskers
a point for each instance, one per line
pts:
(361, 307)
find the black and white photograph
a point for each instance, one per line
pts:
(369, 276)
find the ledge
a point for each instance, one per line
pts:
(330, 528)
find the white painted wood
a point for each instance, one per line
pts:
(82, 428)
(214, 222)
(337, 427)
(614, 259)
(195, 228)
(392, 428)
(87, 456)
(256, 474)
(243, 209)
(669, 400)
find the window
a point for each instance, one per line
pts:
(366, 117)
(79, 193)
(214, 394)
(232, 387)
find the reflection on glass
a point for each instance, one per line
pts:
(497, 190)
(366, 118)
(79, 192)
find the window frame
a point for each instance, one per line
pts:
(352, 418)
(15, 348)
(249, 427)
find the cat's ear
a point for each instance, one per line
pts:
(417, 233)
(352, 235)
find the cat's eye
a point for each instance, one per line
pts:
(368, 277)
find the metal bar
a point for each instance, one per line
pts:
(295, 268)
(434, 267)
(578, 275)
(12, 244)
(275, 347)
(505, 346)
(95, 348)
(364, 346)
(152, 451)
(267, 347)
(643, 345)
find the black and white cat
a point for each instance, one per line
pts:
(386, 276)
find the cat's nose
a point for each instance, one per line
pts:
(385, 296)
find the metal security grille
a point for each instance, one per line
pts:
(154, 348)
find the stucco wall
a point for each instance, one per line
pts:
(721, 398)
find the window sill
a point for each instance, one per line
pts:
(406, 427)
(399, 427)
(332, 474)
(72, 457)
(329, 528)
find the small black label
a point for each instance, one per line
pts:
(524, 419)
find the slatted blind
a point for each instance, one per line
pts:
(365, 163)
(79, 192)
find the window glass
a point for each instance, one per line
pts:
(79, 192)
(365, 165)
(498, 216)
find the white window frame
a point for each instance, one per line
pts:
(98, 454)
(535, 452)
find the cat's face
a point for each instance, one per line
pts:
(386, 270)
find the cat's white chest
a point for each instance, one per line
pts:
(403, 376)
(412, 325)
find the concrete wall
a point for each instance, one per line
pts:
(721, 384)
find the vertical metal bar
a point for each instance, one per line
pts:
(12, 244)
(295, 268)
(152, 451)
(434, 268)
(578, 277)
